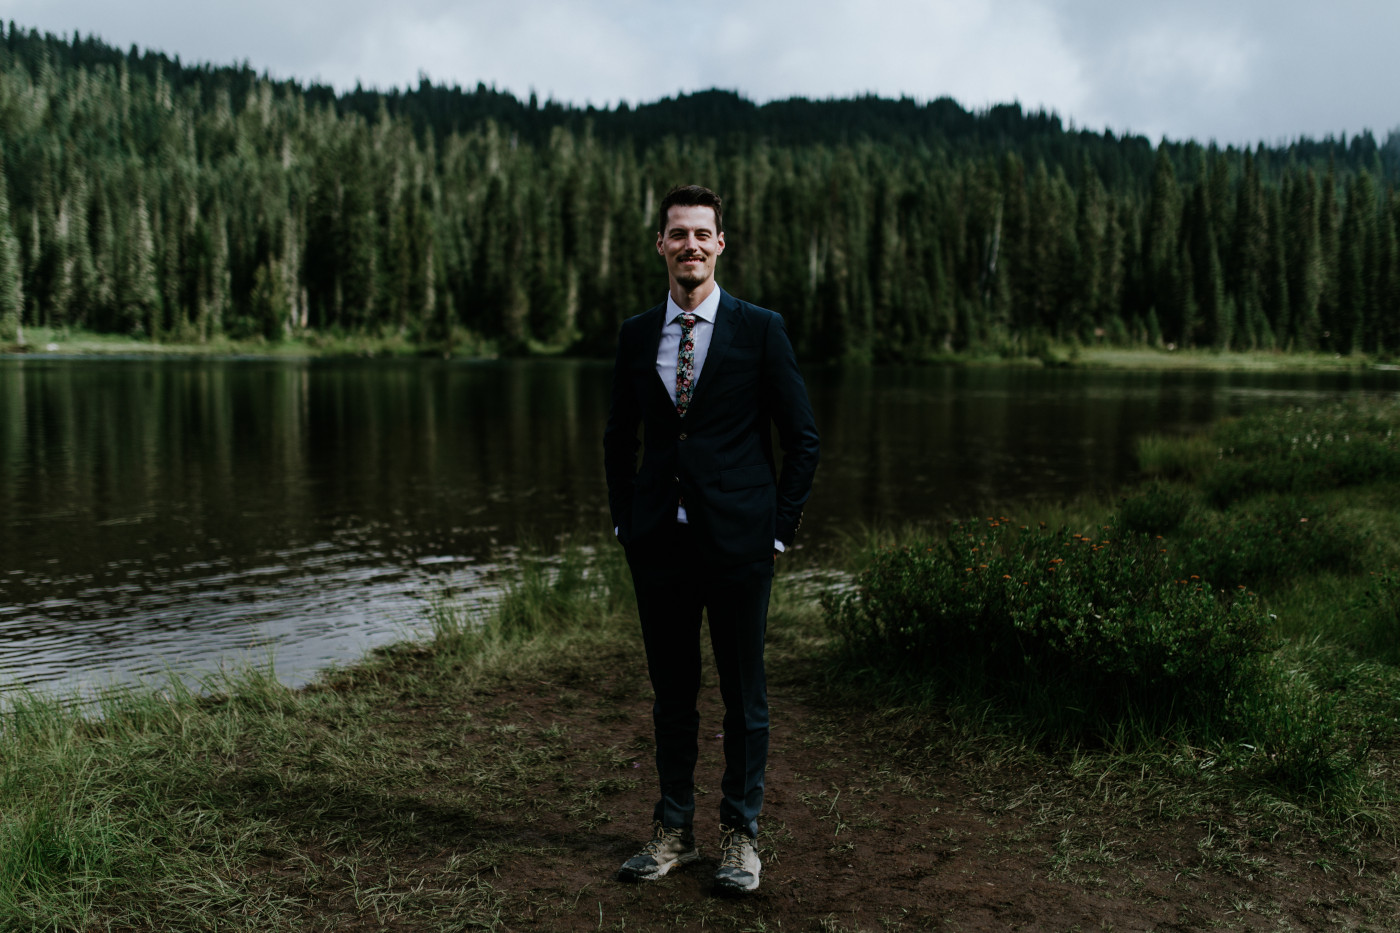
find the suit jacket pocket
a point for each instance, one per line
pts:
(739, 359)
(745, 477)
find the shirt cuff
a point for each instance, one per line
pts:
(779, 546)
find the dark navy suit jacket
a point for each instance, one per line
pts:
(719, 457)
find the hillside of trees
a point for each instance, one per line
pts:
(181, 203)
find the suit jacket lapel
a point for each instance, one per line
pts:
(720, 340)
(652, 345)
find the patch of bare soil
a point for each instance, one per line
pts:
(863, 831)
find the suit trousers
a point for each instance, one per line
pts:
(671, 596)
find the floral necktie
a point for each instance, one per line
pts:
(685, 363)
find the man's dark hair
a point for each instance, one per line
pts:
(691, 196)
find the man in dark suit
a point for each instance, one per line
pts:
(708, 378)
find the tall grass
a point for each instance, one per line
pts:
(1176, 457)
(579, 593)
(107, 818)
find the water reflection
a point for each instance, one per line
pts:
(948, 441)
(175, 513)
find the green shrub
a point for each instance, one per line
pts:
(1270, 542)
(1157, 508)
(1378, 609)
(1083, 633)
(1299, 742)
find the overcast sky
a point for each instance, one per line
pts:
(1237, 71)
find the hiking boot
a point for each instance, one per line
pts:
(670, 847)
(738, 863)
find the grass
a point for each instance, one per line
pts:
(464, 343)
(1301, 504)
(47, 340)
(1234, 361)
(100, 805)
(1051, 354)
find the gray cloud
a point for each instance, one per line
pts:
(1236, 72)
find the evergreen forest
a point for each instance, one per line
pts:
(178, 203)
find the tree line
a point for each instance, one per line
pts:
(147, 197)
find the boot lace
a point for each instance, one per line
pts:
(661, 836)
(733, 848)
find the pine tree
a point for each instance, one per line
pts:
(79, 272)
(137, 296)
(1160, 249)
(1329, 247)
(1357, 239)
(11, 287)
(1090, 226)
(1198, 242)
(216, 282)
(1304, 260)
(1249, 241)
(1387, 298)
(1276, 298)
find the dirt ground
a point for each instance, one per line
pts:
(865, 829)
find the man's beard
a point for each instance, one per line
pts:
(692, 277)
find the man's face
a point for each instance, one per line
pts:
(690, 244)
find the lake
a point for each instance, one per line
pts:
(179, 515)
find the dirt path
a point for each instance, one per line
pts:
(864, 831)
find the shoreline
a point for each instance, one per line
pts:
(46, 345)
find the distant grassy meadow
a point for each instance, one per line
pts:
(1228, 634)
(42, 341)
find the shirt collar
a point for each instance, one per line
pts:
(705, 311)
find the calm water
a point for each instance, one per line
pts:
(180, 515)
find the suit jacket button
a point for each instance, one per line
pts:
(683, 436)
